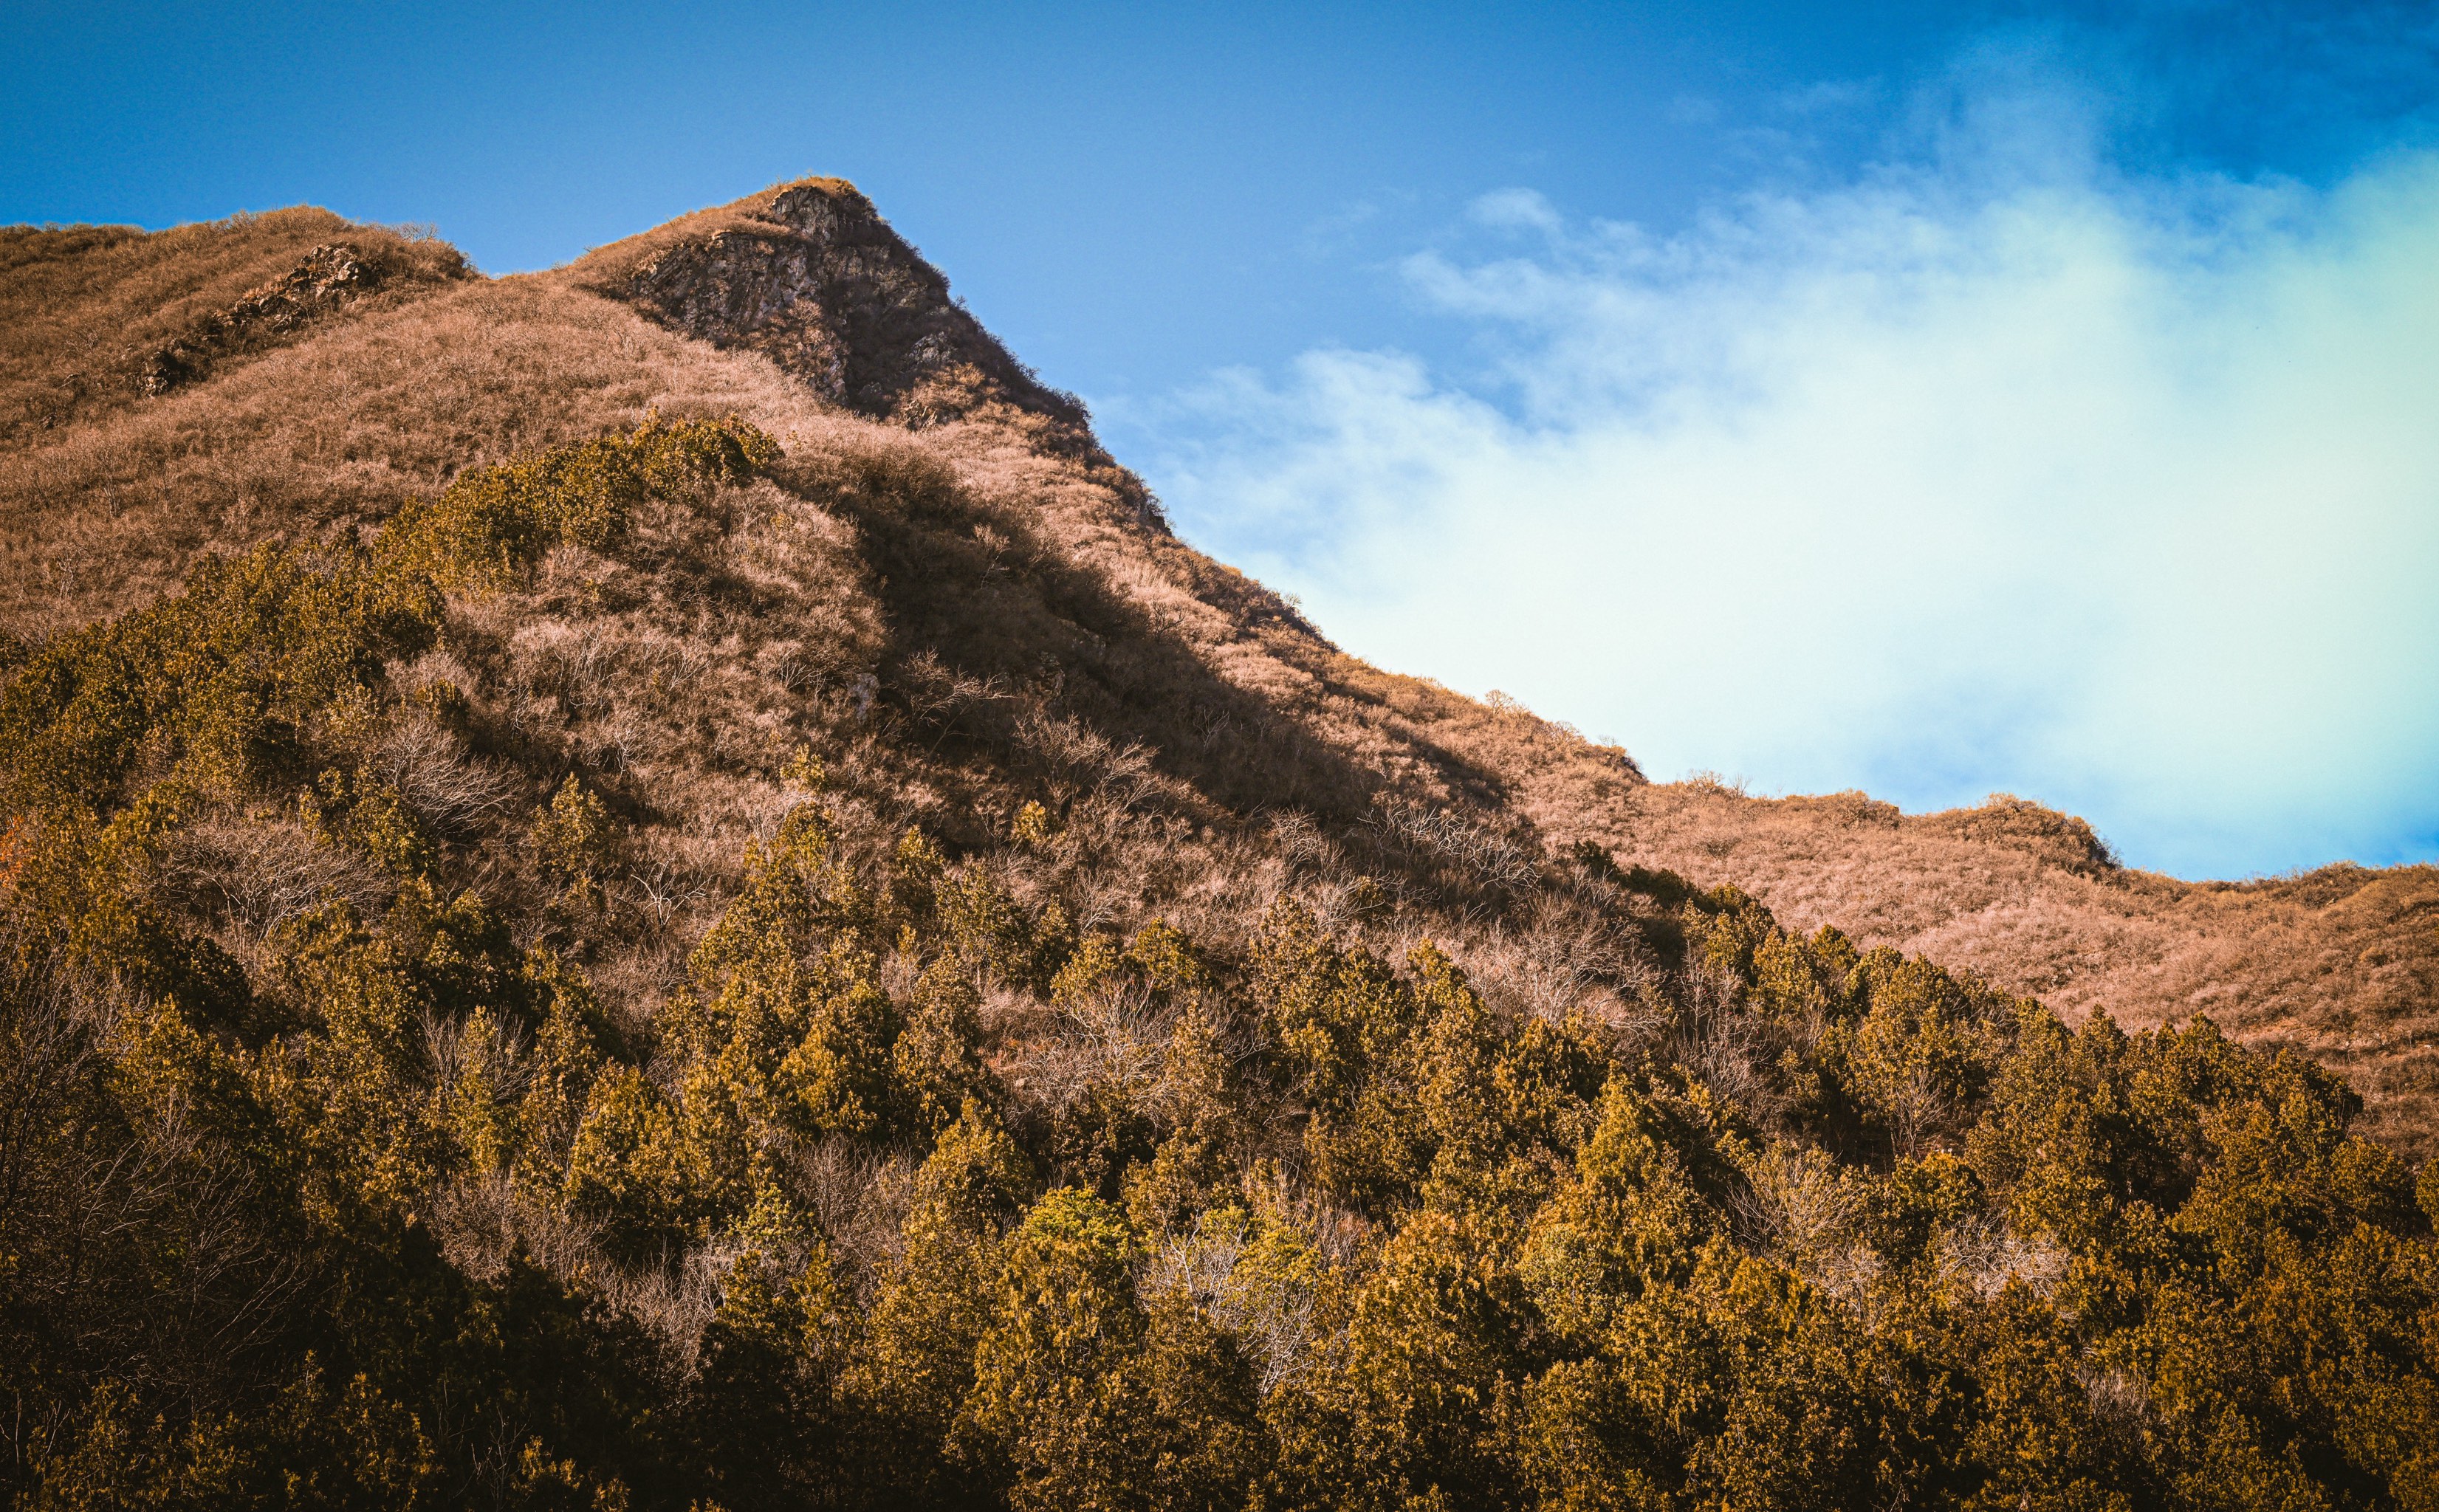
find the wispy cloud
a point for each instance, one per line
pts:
(1991, 470)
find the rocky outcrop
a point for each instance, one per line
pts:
(326, 280)
(813, 278)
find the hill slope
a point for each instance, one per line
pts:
(659, 881)
(808, 314)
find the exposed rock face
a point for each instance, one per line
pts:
(326, 280)
(813, 278)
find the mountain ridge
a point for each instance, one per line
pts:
(658, 885)
(817, 285)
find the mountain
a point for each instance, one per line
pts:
(660, 883)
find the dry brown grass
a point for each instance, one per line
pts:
(968, 611)
(607, 267)
(338, 430)
(2342, 962)
(84, 310)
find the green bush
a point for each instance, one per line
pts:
(927, 1187)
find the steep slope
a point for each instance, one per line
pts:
(808, 275)
(658, 885)
(95, 317)
(803, 312)
(2341, 964)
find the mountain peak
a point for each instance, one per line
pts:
(808, 274)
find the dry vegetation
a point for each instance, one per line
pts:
(670, 863)
(2342, 964)
(93, 318)
(991, 564)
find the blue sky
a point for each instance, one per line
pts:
(1933, 399)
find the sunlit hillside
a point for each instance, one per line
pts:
(658, 885)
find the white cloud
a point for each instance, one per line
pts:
(1997, 472)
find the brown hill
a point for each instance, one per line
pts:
(955, 594)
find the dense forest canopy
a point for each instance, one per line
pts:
(953, 1167)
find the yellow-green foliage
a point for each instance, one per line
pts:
(226, 684)
(220, 684)
(577, 837)
(929, 1185)
(492, 525)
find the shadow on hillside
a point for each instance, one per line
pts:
(972, 587)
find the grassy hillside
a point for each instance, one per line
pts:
(658, 885)
(332, 430)
(94, 318)
(2340, 964)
